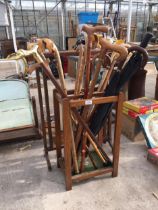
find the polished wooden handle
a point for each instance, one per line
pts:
(94, 29)
(105, 45)
(48, 44)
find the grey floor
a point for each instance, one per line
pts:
(26, 184)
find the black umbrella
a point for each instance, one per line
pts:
(137, 60)
(117, 82)
(102, 111)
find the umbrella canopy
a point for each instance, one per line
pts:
(101, 113)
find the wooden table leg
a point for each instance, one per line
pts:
(116, 145)
(67, 143)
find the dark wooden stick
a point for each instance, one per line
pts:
(42, 120)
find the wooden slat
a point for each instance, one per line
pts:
(101, 100)
(22, 135)
(87, 175)
(16, 128)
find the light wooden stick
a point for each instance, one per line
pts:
(95, 147)
(51, 47)
(80, 71)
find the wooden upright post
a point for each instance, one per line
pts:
(116, 146)
(67, 143)
(57, 127)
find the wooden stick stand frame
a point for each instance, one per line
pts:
(65, 161)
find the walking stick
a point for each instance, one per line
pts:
(40, 59)
(89, 30)
(80, 71)
(120, 58)
(51, 47)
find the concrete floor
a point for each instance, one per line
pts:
(26, 184)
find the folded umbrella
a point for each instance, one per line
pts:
(101, 113)
(117, 82)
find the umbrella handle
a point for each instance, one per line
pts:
(142, 51)
(105, 45)
(94, 29)
(147, 37)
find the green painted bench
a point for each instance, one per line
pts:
(18, 116)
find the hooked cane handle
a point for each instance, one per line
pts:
(94, 29)
(105, 45)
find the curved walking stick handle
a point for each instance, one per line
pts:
(105, 45)
(94, 29)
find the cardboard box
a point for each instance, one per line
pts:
(8, 68)
(131, 129)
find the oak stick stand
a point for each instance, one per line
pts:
(65, 161)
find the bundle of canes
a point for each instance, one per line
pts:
(40, 62)
(51, 47)
(84, 59)
(84, 66)
(120, 53)
(48, 44)
(105, 47)
(89, 30)
(37, 53)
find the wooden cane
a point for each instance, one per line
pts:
(91, 158)
(89, 30)
(105, 46)
(121, 57)
(80, 70)
(48, 44)
(51, 47)
(85, 136)
(83, 152)
(96, 148)
(40, 59)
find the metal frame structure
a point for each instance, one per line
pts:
(43, 17)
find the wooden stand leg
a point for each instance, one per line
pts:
(116, 146)
(42, 120)
(67, 143)
(57, 127)
(48, 111)
(109, 131)
(156, 88)
(35, 111)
